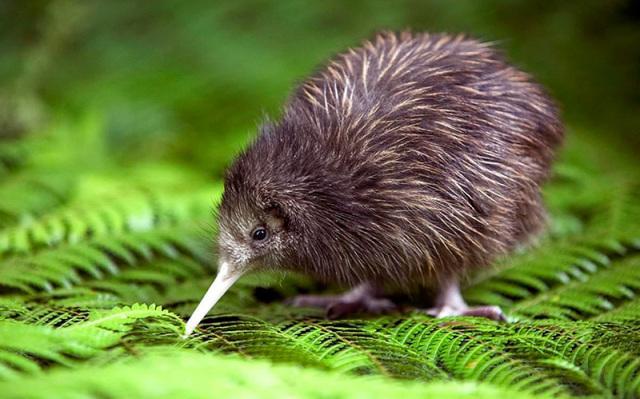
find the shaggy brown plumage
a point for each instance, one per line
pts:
(405, 162)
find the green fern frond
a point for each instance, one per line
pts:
(354, 348)
(70, 265)
(26, 196)
(463, 350)
(24, 347)
(616, 371)
(159, 375)
(592, 295)
(552, 266)
(107, 216)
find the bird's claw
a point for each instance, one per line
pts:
(488, 312)
(339, 306)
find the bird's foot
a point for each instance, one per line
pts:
(449, 302)
(361, 299)
(489, 312)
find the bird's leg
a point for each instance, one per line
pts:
(449, 302)
(364, 298)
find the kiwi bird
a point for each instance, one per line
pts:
(403, 164)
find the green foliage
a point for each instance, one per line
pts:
(95, 288)
(161, 374)
(112, 149)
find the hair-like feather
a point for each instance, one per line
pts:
(409, 158)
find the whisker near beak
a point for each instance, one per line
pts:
(225, 279)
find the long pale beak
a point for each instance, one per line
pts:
(225, 279)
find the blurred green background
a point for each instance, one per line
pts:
(189, 81)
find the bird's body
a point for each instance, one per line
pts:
(403, 163)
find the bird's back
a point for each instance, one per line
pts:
(436, 93)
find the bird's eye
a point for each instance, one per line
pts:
(259, 234)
